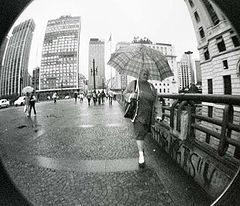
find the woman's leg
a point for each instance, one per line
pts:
(140, 145)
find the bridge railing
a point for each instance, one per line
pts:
(202, 134)
(226, 122)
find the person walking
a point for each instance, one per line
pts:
(75, 96)
(32, 101)
(54, 96)
(89, 96)
(94, 95)
(103, 95)
(147, 96)
(26, 106)
(99, 97)
(110, 96)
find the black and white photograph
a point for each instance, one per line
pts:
(120, 103)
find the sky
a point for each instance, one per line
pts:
(163, 21)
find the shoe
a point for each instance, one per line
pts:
(141, 165)
(141, 161)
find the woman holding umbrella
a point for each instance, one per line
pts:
(144, 63)
(147, 96)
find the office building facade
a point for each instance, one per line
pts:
(60, 54)
(14, 72)
(96, 54)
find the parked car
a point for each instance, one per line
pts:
(20, 101)
(4, 103)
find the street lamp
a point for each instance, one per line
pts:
(94, 72)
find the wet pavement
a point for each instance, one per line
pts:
(73, 154)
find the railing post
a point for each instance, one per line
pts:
(225, 132)
(191, 120)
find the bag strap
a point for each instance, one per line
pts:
(135, 85)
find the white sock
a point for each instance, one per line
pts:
(141, 157)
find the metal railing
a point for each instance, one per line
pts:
(189, 102)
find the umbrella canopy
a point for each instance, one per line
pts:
(27, 89)
(131, 59)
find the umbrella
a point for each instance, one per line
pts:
(131, 59)
(27, 89)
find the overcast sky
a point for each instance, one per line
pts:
(164, 21)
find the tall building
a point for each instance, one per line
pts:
(35, 78)
(219, 49)
(186, 73)
(96, 53)
(14, 72)
(60, 54)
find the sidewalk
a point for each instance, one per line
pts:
(72, 154)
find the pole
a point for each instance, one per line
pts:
(110, 56)
(94, 81)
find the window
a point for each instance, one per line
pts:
(197, 18)
(201, 32)
(220, 44)
(211, 12)
(225, 64)
(227, 84)
(210, 86)
(235, 39)
(206, 53)
(191, 3)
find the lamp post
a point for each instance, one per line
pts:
(94, 72)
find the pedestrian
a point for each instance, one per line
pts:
(54, 96)
(89, 96)
(99, 97)
(94, 95)
(147, 98)
(75, 96)
(26, 106)
(32, 101)
(81, 97)
(110, 96)
(103, 95)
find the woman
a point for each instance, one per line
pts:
(147, 97)
(32, 101)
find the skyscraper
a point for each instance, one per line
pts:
(186, 69)
(60, 54)
(14, 72)
(96, 53)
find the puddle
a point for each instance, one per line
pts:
(22, 126)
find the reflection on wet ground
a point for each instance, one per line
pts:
(73, 154)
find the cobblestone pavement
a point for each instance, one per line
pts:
(73, 154)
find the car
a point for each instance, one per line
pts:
(4, 103)
(20, 101)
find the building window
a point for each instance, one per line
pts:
(191, 3)
(227, 84)
(211, 12)
(225, 64)
(201, 32)
(197, 18)
(235, 39)
(206, 53)
(220, 44)
(210, 86)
